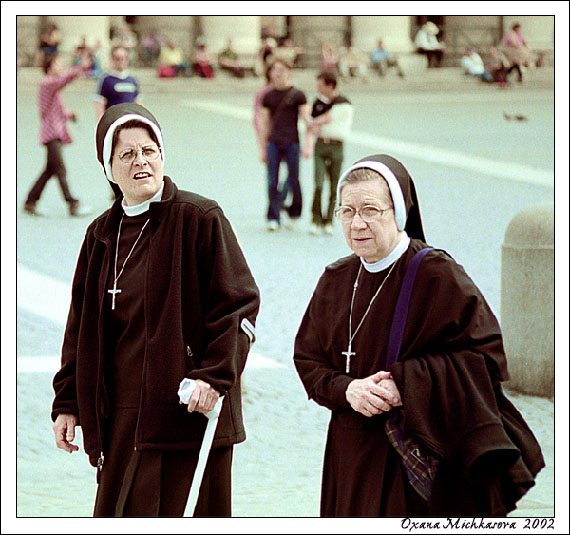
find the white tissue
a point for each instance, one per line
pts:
(185, 390)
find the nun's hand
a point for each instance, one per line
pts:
(64, 431)
(367, 397)
(390, 391)
(204, 398)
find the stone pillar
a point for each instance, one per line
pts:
(394, 30)
(73, 28)
(244, 30)
(527, 300)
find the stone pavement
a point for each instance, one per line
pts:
(277, 469)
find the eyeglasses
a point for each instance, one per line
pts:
(149, 153)
(368, 213)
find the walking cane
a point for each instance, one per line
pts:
(184, 392)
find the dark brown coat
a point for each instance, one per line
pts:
(449, 374)
(198, 290)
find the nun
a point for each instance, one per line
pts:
(431, 434)
(162, 293)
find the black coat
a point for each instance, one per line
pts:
(198, 290)
(449, 375)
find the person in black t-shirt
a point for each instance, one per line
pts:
(282, 107)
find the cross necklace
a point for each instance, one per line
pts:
(114, 290)
(349, 353)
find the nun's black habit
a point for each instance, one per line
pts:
(449, 373)
(187, 307)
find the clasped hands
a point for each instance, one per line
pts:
(374, 394)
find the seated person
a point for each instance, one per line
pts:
(351, 63)
(473, 65)
(202, 61)
(381, 60)
(500, 67)
(329, 58)
(228, 61)
(426, 43)
(171, 60)
(151, 45)
(80, 51)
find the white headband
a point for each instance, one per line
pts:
(107, 142)
(393, 184)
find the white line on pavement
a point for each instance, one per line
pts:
(505, 170)
(49, 298)
(42, 295)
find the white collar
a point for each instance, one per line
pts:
(117, 74)
(138, 209)
(323, 98)
(397, 252)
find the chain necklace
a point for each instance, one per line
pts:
(114, 291)
(349, 353)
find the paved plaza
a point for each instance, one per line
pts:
(474, 172)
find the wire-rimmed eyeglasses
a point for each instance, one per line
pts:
(368, 213)
(149, 153)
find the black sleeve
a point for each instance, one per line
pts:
(64, 383)
(324, 383)
(231, 300)
(300, 98)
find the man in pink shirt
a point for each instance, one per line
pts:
(53, 130)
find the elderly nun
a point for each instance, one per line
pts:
(410, 367)
(161, 293)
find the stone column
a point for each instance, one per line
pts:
(73, 28)
(527, 300)
(244, 30)
(394, 30)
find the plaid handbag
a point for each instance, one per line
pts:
(420, 467)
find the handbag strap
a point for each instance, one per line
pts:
(401, 313)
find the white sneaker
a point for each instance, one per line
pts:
(272, 225)
(328, 229)
(314, 229)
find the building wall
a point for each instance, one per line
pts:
(307, 31)
(27, 37)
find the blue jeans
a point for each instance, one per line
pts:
(276, 153)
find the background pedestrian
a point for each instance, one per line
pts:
(53, 130)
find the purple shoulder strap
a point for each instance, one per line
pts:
(401, 313)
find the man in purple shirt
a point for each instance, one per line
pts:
(116, 86)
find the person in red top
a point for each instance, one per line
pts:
(53, 130)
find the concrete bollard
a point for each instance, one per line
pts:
(527, 300)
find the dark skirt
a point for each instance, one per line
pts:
(157, 483)
(363, 475)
